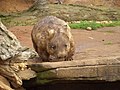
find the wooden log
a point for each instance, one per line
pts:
(12, 52)
(9, 45)
(4, 84)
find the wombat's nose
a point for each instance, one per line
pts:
(60, 57)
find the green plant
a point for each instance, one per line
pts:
(108, 43)
(93, 24)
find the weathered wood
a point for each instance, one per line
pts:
(12, 52)
(4, 84)
(9, 45)
(107, 69)
(8, 72)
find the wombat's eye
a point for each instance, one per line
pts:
(53, 47)
(65, 45)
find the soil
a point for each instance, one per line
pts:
(104, 42)
(20, 5)
(15, 5)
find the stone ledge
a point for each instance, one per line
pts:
(107, 69)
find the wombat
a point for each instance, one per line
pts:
(52, 39)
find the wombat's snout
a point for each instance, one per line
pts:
(62, 55)
(57, 57)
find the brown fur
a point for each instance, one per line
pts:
(52, 39)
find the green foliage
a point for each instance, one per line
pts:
(108, 43)
(93, 24)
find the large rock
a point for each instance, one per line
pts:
(102, 69)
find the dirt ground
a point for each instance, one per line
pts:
(20, 5)
(15, 5)
(89, 44)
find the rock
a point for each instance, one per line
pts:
(89, 28)
(27, 74)
(103, 69)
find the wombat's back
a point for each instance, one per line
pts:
(51, 22)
